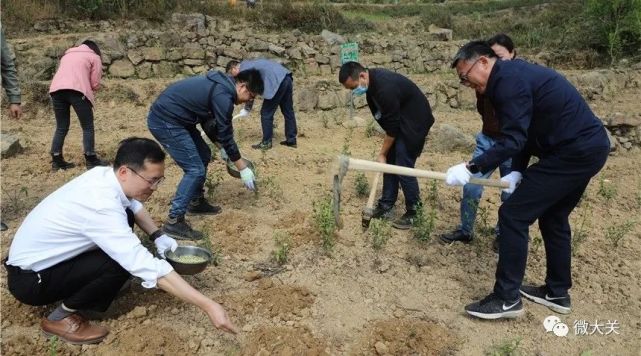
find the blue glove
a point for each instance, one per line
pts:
(223, 155)
(247, 176)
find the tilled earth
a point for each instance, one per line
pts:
(405, 299)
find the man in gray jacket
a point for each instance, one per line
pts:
(10, 79)
(10, 85)
(278, 92)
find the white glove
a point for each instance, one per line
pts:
(514, 179)
(247, 176)
(223, 155)
(458, 175)
(164, 243)
(242, 113)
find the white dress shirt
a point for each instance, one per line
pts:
(84, 214)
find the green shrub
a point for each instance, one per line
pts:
(325, 224)
(424, 223)
(380, 231)
(282, 244)
(361, 185)
(617, 231)
(616, 25)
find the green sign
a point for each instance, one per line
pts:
(349, 52)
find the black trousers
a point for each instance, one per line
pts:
(549, 191)
(62, 101)
(89, 281)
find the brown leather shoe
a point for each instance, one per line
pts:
(74, 329)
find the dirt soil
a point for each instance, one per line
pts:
(406, 299)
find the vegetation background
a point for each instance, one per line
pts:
(602, 32)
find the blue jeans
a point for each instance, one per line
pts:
(284, 99)
(472, 192)
(398, 155)
(188, 149)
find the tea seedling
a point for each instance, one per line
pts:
(537, 242)
(15, 201)
(379, 232)
(212, 182)
(270, 188)
(607, 190)
(483, 217)
(424, 223)
(505, 348)
(325, 120)
(53, 346)
(216, 252)
(282, 244)
(370, 130)
(583, 226)
(361, 185)
(324, 220)
(432, 195)
(616, 232)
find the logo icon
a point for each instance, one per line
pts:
(553, 324)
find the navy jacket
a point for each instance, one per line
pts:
(540, 113)
(400, 107)
(188, 102)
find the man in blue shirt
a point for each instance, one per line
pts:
(207, 100)
(279, 87)
(541, 114)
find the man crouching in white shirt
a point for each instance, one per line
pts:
(78, 246)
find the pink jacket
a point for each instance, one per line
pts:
(80, 69)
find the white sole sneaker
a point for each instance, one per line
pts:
(551, 305)
(508, 314)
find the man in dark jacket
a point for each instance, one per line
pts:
(543, 115)
(207, 100)
(403, 111)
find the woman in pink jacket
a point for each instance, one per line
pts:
(74, 84)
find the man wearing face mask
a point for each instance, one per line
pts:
(542, 115)
(207, 100)
(402, 110)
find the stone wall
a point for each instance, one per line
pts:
(194, 43)
(189, 44)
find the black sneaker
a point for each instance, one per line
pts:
(406, 221)
(540, 295)
(200, 206)
(381, 212)
(454, 236)
(3, 227)
(289, 144)
(179, 229)
(493, 307)
(92, 161)
(264, 145)
(495, 245)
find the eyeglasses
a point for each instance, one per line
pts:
(464, 78)
(152, 182)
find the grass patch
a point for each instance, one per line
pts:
(505, 348)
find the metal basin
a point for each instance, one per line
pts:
(233, 171)
(188, 268)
